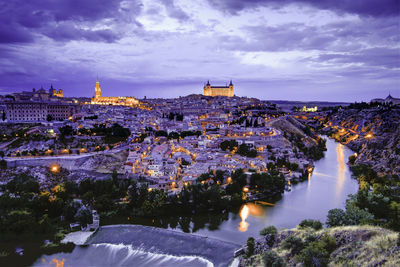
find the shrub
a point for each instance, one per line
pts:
(270, 233)
(310, 238)
(271, 259)
(314, 255)
(336, 217)
(329, 243)
(294, 244)
(352, 159)
(315, 224)
(355, 215)
(398, 240)
(270, 230)
(250, 246)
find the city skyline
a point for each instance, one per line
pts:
(289, 50)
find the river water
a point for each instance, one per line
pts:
(327, 188)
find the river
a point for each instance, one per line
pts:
(327, 188)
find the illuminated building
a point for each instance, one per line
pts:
(37, 105)
(306, 109)
(54, 92)
(209, 90)
(26, 111)
(112, 100)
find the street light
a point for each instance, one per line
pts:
(54, 168)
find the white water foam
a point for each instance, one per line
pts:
(120, 255)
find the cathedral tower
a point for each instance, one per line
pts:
(97, 90)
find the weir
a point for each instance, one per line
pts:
(163, 241)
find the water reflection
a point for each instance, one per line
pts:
(253, 210)
(341, 174)
(244, 213)
(59, 263)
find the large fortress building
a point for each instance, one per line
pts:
(209, 90)
(112, 100)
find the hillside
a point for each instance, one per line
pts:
(372, 132)
(338, 246)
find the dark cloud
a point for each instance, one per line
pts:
(374, 8)
(10, 33)
(21, 21)
(174, 11)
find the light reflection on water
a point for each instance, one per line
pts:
(249, 209)
(341, 174)
(244, 213)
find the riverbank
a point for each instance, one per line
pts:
(338, 246)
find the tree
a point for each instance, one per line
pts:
(84, 216)
(336, 217)
(256, 123)
(271, 259)
(294, 244)
(314, 255)
(2, 154)
(315, 224)
(19, 221)
(250, 246)
(3, 164)
(270, 230)
(66, 130)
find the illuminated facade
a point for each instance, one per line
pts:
(306, 109)
(209, 90)
(112, 100)
(29, 111)
(55, 92)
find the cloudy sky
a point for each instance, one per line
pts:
(336, 50)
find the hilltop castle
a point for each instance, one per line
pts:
(209, 90)
(112, 100)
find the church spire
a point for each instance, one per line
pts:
(97, 89)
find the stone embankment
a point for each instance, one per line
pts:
(100, 162)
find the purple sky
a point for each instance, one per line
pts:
(336, 50)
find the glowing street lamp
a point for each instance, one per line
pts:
(54, 168)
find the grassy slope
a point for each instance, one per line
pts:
(357, 246)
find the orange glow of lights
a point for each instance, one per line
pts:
(369, 135)
(244, 213)
(59, 263)
(245, 189)
(54, 168)
(255, 210)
